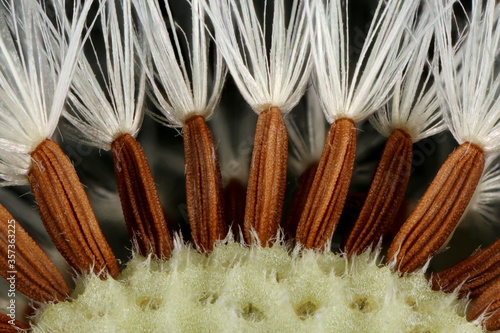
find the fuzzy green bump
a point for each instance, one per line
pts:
(241, 289)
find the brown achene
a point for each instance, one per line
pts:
(329, 189)
(299, 199)
(471, 275)
(489, 303)
(141, 205)
(66, 212)
(6, 327)
(205, 198)
(267, 178)
(234, 206)
(386, 194)
(36, 276)
(439, 210)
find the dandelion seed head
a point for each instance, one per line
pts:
(259, 277)
(358, 92)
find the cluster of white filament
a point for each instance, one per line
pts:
(358, 92)
(469, 78)
(277, 77)
(177, 94)
(414, 106)
(107, 96)
(38, 57)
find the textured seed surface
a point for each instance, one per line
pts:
(472, 274)
(329, 189)
(386, 194)
(488, 302)
(6, 327)
(439, 210)
(141, 205)
(66, 212)
(205, 197)
(267, 179)
(35, 275)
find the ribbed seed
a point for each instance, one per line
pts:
(267, 179)
(471, 275)
(234, 203)
(203, 184)
(6, 327)
(299, 200)
(34, 273)
(489, 302)
(439, 210)
(329, 189)
(140, 201)
(66, 212)
(386, 194)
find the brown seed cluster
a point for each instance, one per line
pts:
(317, 206)
(313, 217)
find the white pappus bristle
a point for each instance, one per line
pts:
(38, 58)
(414, 106)
(470, 76)
(103, 111)
(357, 92)
(177, 95)
(483, 208)
(276, 77)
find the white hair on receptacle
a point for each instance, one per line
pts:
(414, 106)
(470, 76)
(358, 92)
(103, 111)
(177, 95)
(265, 78)
(37, 58)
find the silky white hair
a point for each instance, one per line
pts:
(38, 58)
(277, 77)
(103, 111)
(358, 92)
(469, 77)
(177, 95)
(414, 106)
